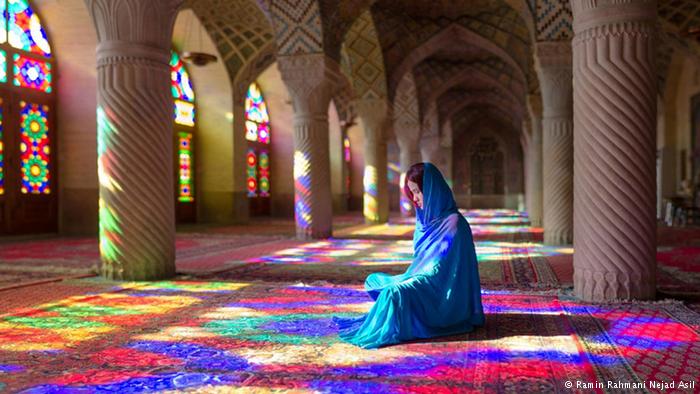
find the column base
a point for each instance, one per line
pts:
(310, 234)
(598, 286)
(555, 238)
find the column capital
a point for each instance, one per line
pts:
(311, 80)
(553, 54)
(592, 14)
(133, 29)
(372, 110)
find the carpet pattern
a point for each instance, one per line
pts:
(219, 336)
(25, 262)
(350, 261)
(679, 270)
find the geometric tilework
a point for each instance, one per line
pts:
(433, 74)
(298, 26)
(403, 29)
(406, 109)
(455, 99)
(680, 13)
(554, 20)
(238, 28)
(365, 56)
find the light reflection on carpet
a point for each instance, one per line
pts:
(280, 337)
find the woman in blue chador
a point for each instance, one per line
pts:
(439, 294)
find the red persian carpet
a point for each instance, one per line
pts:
(223, 336)
(679, 270)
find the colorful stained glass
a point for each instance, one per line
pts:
(251, 131)
(264, 173)
(180, 83)
(346, 150)
(3, 21)
(3, 65)
(25, 30)
(185, 157)
(32, 73)
(34, 148)
(252, 173)
(2, 156)
(184, 113)
(257, 119)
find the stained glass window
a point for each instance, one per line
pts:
(347, 156)
(32, 73)
(24, 28)
(181, 88)
(184, 113)
(257, 119)
(346, 150)
(180, 80)
(3, 21)
(257, 132)
(34, 148)
(186, 193)
(252, 160)
(264, 173)
(2, 155)
(3, 66)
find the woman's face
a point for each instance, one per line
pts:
(417, 194)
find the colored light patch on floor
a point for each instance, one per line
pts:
(280, 337)
(182, 286)
(488, 229)
(492, 213)
(494, 250)
(74, 320)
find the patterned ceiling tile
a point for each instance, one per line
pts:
(297, 26)
(366, 60)
(237, 42)
(404, 29)
(406, 101)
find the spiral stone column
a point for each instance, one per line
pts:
(534, 162)
(373, 115)
(309, 79)
(554, 61)
(614, 124)
(135, 137)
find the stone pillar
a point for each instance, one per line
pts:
(554, 70)
(615, 126)
(445, 163)
(309, 79)
(430, 149)
(135, 137)
(373, 115)
(409, 154)
(534, 162)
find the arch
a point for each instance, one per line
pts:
(453, 101)
(213, 144)
(472, 78)
(481, 123)
(241, 32)
(445, 39)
